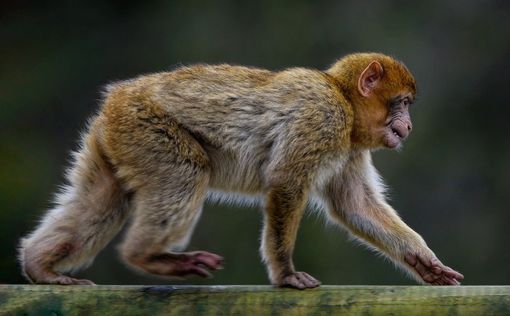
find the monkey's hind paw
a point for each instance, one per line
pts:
(196, 262)
(299, 280)
(65, 280)
(432, 271)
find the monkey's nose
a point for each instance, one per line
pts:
(409, 126)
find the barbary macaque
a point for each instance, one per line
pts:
(161, 143)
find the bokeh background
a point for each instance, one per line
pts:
(450, 183)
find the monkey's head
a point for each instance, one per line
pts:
(380, 89)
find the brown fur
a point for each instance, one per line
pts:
(161, 141)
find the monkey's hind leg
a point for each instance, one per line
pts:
(91, 209)
(166, 212)
(170, 189)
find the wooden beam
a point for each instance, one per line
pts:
(253, 300)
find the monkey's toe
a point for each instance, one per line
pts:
(195, 263)
(210, 260)
(82, 282)
(66, 280)
(299, 280)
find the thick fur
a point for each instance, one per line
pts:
(89, 212)
(160, 142)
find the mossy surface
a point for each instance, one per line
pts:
(253, 300)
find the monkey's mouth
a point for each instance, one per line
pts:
(397, 133)
(393, 138)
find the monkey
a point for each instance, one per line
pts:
(163, 143)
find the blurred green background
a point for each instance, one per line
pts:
(450, 183)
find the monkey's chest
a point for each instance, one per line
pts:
(328, 169)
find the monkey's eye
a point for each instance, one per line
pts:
(406, 102)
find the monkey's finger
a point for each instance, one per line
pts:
(446, 270)
(436, 266)
(422, 269)
(437, 270)
(437, 282)
(426, 273)
(449, 281)
(410, 259)
(434, 262)
(445, 280)
(416, 262)
(429, 263)
(453, 282)
(430, 277)
(453, 274)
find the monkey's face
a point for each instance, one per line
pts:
(384, 121)
(383, 118)
(398, 123)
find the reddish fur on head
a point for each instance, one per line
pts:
(380, 89)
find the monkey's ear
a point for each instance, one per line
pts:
(369, 78)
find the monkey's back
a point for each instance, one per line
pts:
(239, 115)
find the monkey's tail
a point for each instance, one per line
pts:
(90, 210)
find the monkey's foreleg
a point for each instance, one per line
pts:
(378, 224)
(382, 228)
(284, 209)
(354, 200)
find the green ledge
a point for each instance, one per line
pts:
(253, 300)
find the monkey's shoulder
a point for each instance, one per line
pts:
(308, 85)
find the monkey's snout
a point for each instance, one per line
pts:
(401, 130)
(409, 126)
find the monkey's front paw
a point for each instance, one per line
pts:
(299, 280)
(432, 271)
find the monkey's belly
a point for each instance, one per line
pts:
(231, 173)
